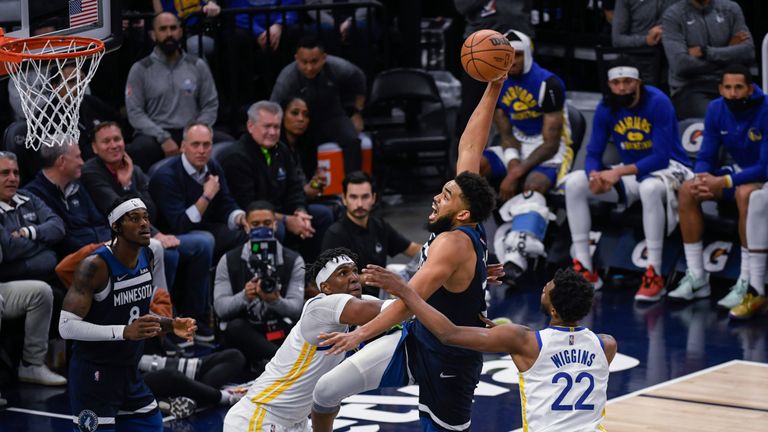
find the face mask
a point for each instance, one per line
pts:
(620, 101)
(738, 105)
(169, 46)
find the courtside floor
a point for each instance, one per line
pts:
(681, 367)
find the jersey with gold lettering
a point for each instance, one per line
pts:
(565, 389)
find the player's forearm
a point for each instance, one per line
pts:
(394, 313)
(475, 135)
(73, 327)
(436, 322)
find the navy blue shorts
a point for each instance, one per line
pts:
(446, 382)
(111, 395)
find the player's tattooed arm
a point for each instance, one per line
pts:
(90, 277)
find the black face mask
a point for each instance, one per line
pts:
(738, 105)
(616, 102)
(169, 46)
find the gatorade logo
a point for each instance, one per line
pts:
(716, 256)
(693, 136)
(640, 255)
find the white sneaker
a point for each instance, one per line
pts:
(690, 288)
(733, 298)
(40, 374)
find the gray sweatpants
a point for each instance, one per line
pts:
(35, 300)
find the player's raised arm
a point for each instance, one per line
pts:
(475, 135)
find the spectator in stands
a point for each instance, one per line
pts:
(260, 167)
(369, 236)
(256, 313)
(112, 175)
(334, 90)
(701, 38)
(166, 91)
(487, 14)
(33, 301)
(187, 12)
(28, 228)
(192, 194)
(640, 121)
(295, 124)
(738, 123)
(535, 135)
(266, 29)
(637, 24)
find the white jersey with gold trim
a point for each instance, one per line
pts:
(565, 389)
(285, 388)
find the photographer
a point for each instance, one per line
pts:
(259, 289)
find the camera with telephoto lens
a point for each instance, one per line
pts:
(263, 262)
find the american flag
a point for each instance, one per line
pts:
(83, 12)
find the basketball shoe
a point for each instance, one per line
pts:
(751, 305)
(590, 276)
(651, 286)
(734, 297)
(690, 288)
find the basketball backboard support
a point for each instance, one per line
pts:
(98, 19)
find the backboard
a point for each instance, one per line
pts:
(98, 19)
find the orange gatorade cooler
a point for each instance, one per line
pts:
(330, 160)
(366, 148)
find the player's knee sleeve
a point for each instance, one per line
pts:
(528, 217)
(343, 381)
(576, 185)
(757, 229)
(652, 190)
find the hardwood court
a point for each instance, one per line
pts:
(724, 397)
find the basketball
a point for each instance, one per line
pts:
(486, 55)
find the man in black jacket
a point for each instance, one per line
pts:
(259, 167)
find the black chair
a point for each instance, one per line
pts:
(417, 135)
(157, 165)
(219, 148)
(578, 128)
(28, 160)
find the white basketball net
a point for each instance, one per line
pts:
(51, 91)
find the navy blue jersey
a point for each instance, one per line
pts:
(461, 308)
(125, 298)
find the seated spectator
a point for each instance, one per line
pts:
(33, 301)
(263, 29)
(184, 11)
(304, 153)
(640, 121)
(332, 87)
(159, 108)
(258, 310)
(28, 228)
(368, 236)
(701, 38)
(192, 195)
(738, 123)
(260, 167)
(181, 385)
(637, 24)
(535, 135)
(59, 187)
(112, 175)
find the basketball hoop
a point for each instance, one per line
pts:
(43, 70)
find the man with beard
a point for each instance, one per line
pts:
(106, 313)
(735, 122)
(564, 351)
(640, 121)
(452, 278)
(166, 91)
(281, 398)
(369, 236)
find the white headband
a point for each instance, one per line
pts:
(331, 267)
(623, 72)
(123, 208)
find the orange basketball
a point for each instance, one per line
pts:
(486, 55)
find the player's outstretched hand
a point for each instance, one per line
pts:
(185, 328)
(340, 342)
(144, 327)
(495, 273)
(380, 277)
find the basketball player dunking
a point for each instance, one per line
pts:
(106, 312)
(452, 278)
(563, 368)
